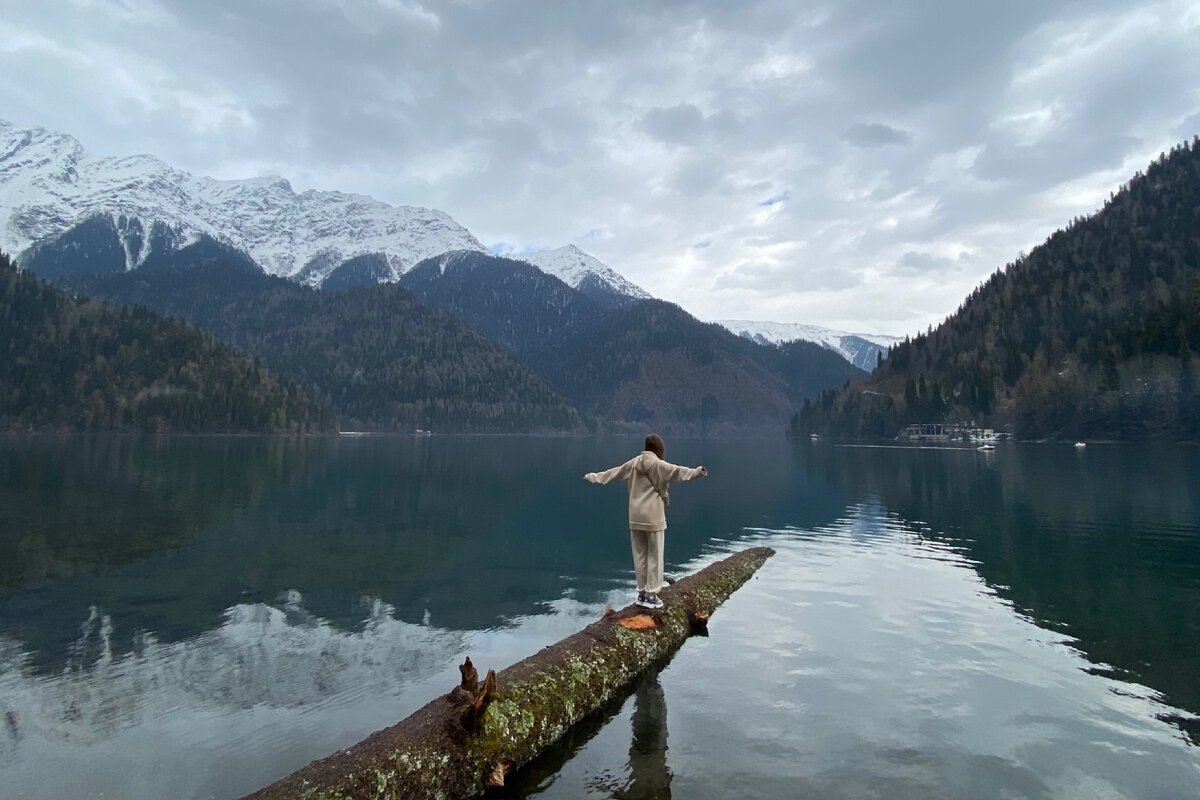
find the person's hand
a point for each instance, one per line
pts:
(703, 472)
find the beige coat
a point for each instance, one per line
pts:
(649, 477)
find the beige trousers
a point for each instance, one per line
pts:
(648, 559)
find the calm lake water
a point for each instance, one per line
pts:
(195, 617)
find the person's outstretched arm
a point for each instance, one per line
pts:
(673, 473)
(620, 473)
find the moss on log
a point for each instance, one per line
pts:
(468, 739)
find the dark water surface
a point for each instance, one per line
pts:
(194, 617)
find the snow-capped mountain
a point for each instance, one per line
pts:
(582, 271)
(860, 349)
(49, 183)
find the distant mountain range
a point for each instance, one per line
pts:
(395, 317)
(49, 184)
(468, 341)
(57, 201)
(863, 350)
(649, 361)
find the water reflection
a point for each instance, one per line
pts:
(868, 659)
(227, 609)
(255, 693)
(467, 532)
(72, 506)
(649, 777)
(1102, 546)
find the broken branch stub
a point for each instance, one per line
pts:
(470, 676)
(468, 739)
(473, 715)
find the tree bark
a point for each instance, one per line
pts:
(470, 738)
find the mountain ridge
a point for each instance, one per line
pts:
(649, 362)
(583, 271)
(861, 349)
(51, 187)
(49, 183)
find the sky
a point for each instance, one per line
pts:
(857, 164)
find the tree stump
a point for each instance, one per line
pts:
(470, 738)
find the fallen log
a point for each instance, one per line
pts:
(468, 740)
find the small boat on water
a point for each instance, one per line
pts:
(1080, 445)
(986, 447)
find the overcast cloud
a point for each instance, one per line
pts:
(860, 164)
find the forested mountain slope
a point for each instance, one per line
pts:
(518, 350)
(654, 362)
(73, 364)
(648, 362)
(384, 360)
(1093, 334)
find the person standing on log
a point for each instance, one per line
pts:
(649, 477)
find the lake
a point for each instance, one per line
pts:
(194, 617)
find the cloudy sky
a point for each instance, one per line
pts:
(860, 164)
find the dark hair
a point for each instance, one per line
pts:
(654, 444)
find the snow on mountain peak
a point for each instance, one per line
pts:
(48, 183)
(860, 349)
(573, 266)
